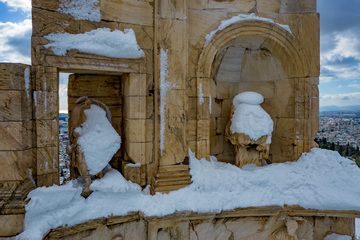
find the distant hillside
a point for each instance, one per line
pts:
(354, 108)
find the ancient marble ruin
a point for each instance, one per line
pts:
(249, 129)
(167, 71)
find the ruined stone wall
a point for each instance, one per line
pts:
(281, 65)
(223, 226)
(250, 56)
(137, 118)
(16, 145)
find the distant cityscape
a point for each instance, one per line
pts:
(64, 159)
(342, 128)
(339, 131)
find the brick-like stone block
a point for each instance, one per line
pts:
(47, 160)
(293, 6)
(135, 107)
(128, 11)
(135, 152)
(46, 78)
(16, 135)
(135, 130)
(11, 225)
(12, 77)
(10, 105)
(134, 84)
(47, 133)
(149, 125)
(15, 165)
(46, 105)
(47, 180)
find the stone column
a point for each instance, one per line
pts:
(170, 71)
(46, 111)
(171, 39)
(136, 142)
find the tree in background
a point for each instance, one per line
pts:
(344, 150)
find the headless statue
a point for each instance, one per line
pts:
(249, 129)
(78, 163)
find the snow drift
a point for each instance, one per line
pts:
(320, 179)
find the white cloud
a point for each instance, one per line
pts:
(346, 45)
(342, 99)
(63, 92)
(340, 56)
(339, 71)
(14, 38)
(23, 5)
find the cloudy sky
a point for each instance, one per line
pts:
(340, 46)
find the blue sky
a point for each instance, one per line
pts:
(340, 46)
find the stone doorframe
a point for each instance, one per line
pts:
(46, 110)
(294, 62)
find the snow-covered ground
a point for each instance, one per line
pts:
(335, 236)
(101, 41)
(320, 179)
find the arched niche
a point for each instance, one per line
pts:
(253, 56)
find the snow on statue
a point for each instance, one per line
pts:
(94, 140)
(249, 129)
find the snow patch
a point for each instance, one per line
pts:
(165, 86)
(241, 18)
(250, 118)
(113, 181)
(27, 81)
(335, 236)
(252, 98)
(200, 93)
(101, 41)
(81, 9)
(320, 179)
(98, 139)
(210, 105)
(134, 165)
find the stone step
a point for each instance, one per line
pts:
(172, 174)
(174, 168)
(176, 181)
(169, 188)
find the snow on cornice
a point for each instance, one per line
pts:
(241, 18)
(101, 41)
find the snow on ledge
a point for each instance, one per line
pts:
(320, 179)
(101, 41)
(165, 86)
(335, 236)
(200, 93)
(241, 18)
(27, 81)
(81, 9)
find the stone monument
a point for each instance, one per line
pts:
(169, 88)
(249, 129)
